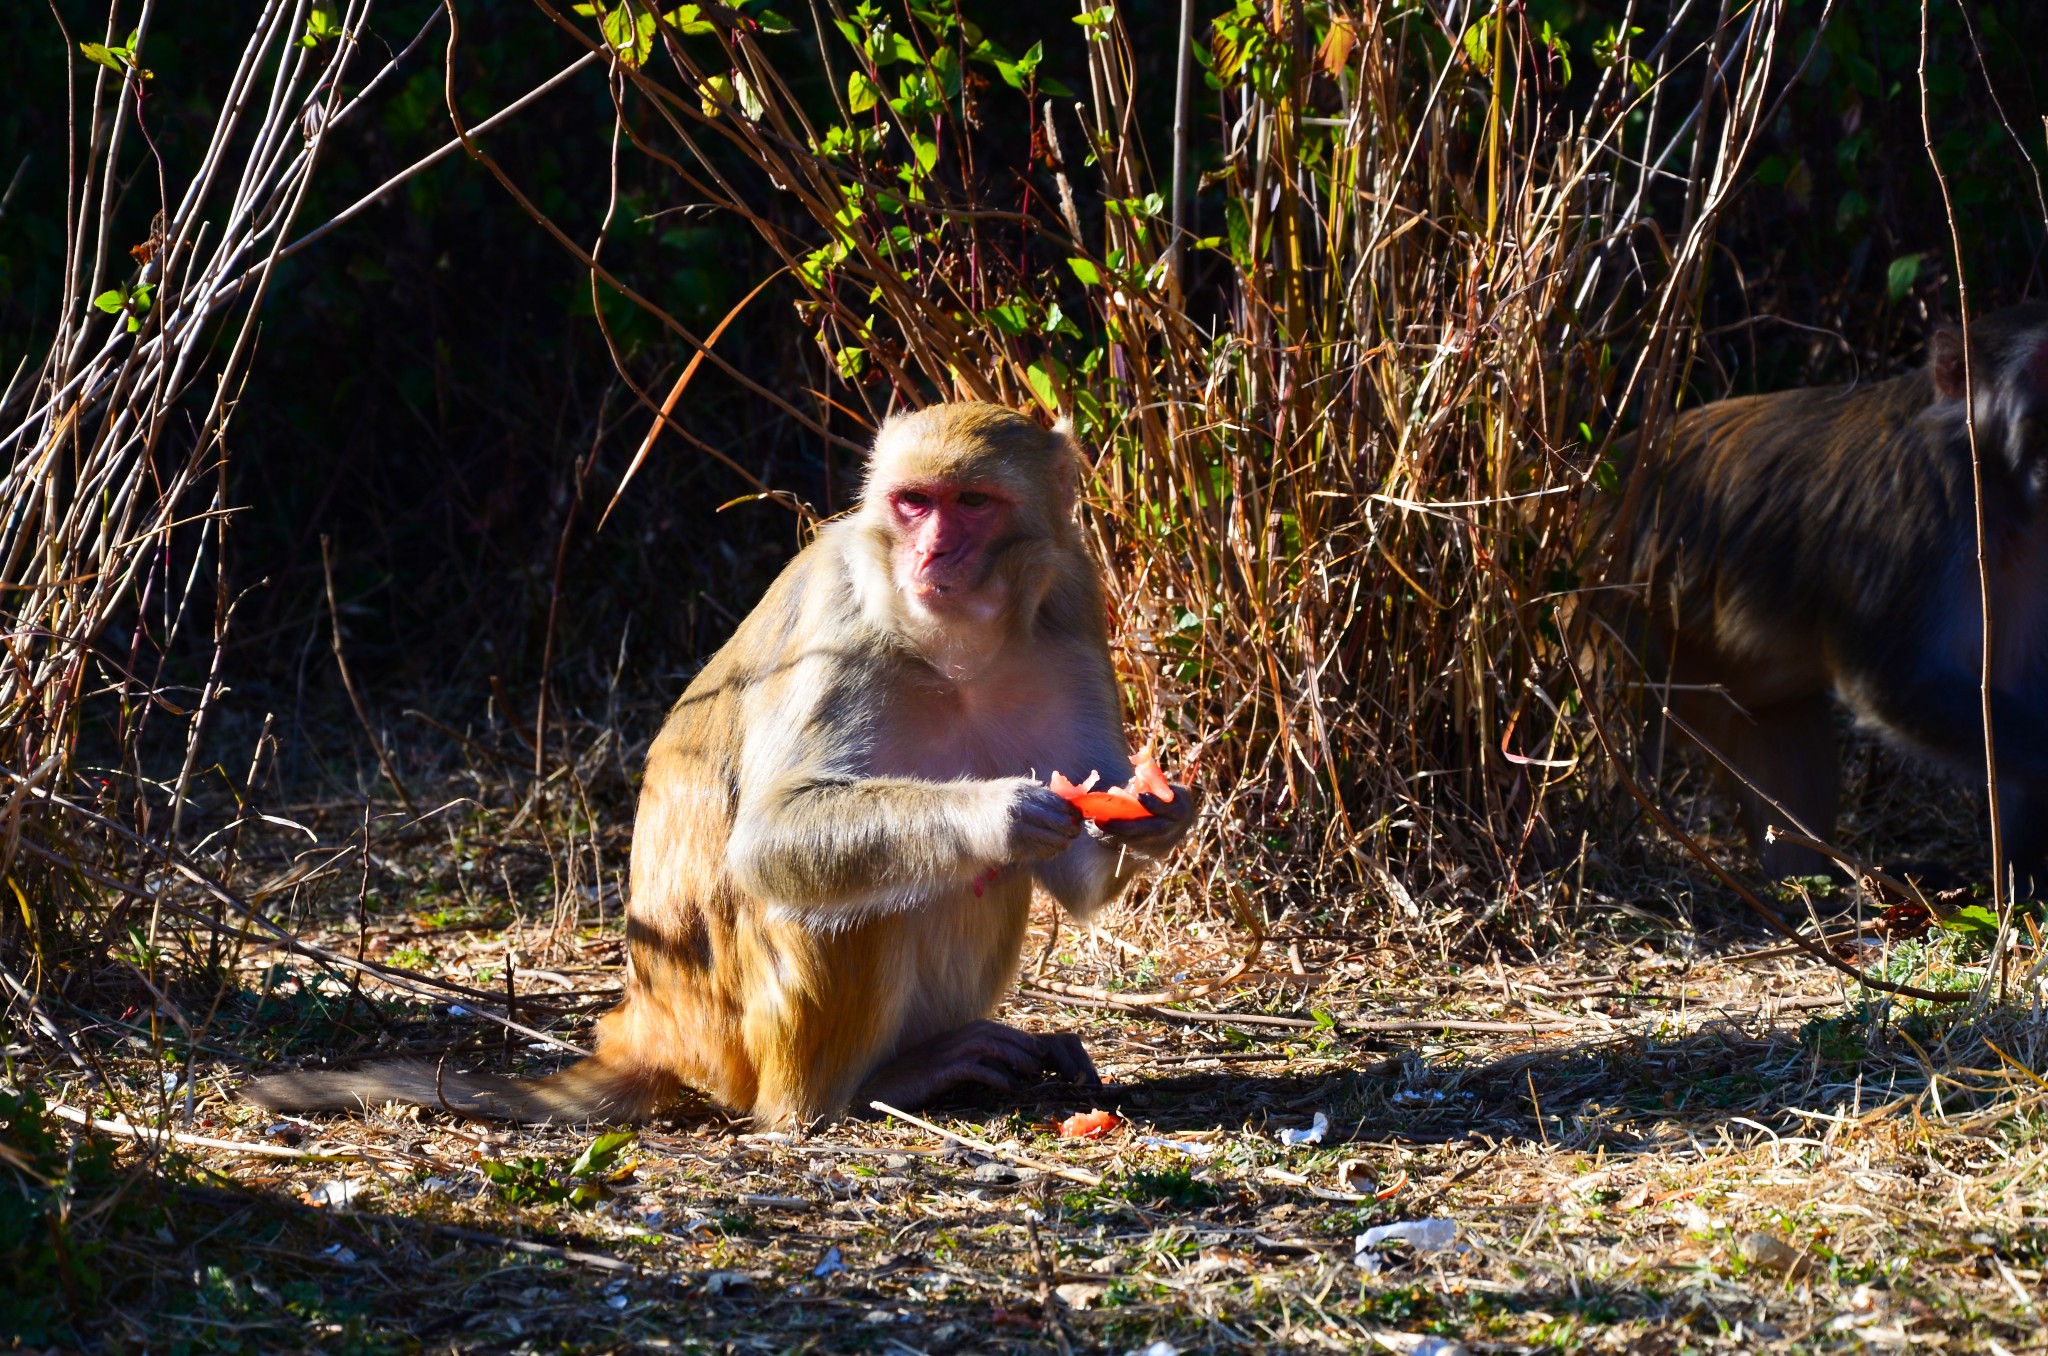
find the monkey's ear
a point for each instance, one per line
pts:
(1068, 479)
(1945, 361)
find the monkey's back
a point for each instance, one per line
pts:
(1773, 523)
(692, 942)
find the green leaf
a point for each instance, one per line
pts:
(942, 25)
(1021, 73)
(601, 1153)
(1095, 22)
(1972, 919)
(321, 25)
(749, 97)
(522, 1181)
(629, 35)
(1012, 318)
(111, 300)
(714, 95)
(1044, 377)
(1086, 271)
(687, 20)
(771, 22)
(1852, 211)
(1559, 48)
(1239, 227)
(102, 55)
(1479, 44)
(862, 93)
(946, 67)
(1607, 50)
(1900, 277)
(851, 361)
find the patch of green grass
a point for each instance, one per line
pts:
(540, 1181)
(1167, 1189)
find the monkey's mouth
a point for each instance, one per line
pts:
(942, 579)
(938, 590)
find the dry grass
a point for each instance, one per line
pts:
(1339, 470)
(1644, 1103)
(114, 504)
(1344, 424)
(1608, 1123)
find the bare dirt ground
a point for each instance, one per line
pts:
(1654, 1140)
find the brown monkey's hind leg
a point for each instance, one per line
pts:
(980, 1054)
(1784, 750)
(1790, 753)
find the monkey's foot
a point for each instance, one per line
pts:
(978, 1055)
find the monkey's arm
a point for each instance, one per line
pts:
(813, 840)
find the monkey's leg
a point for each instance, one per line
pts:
(1789, 753)
(981, 1054)
(2023, 820)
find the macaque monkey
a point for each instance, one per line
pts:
(1817, 542)
(844, 816)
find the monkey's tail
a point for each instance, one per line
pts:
(589, 1090)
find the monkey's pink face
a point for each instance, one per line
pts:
(945, 534)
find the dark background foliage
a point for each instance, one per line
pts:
(433, 397)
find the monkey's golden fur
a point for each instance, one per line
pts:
(811, 891)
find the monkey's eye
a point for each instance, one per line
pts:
(973, 499)
(913, 499)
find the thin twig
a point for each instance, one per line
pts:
(1016, 1156)
(154, 1135)
(355, 699)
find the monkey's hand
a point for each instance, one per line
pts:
(1161, 832)
(1034, 823)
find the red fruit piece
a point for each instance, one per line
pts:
(1090, 1124)
(1062, 787)
(1117, 802)
(1146, 777)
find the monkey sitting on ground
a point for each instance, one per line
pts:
(1811, 542)
(843, 818)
